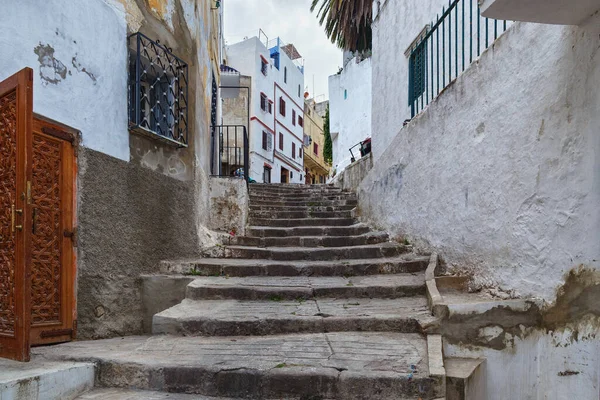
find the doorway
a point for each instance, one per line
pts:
(37, 237)
(285, 175)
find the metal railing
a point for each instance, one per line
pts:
(230, 152)
(446, 48)
(158, 90)
(365, 149)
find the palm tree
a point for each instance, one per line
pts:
(347, 22)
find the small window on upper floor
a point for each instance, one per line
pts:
(293, 150)
(316, 149)
(158, 85)
(284, 74)
(282, 106)
(264, 66)
(280, 141)
(270, 107)
(294, 117)
(299, 91)
(300, 121)
(264, 102)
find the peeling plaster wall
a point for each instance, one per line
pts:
(229, 205)
(79, 57)
(501, 173)
(350, 103)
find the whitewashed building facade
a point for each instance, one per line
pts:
(276, 108)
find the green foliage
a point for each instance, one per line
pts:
(347, 22)
(328, 150)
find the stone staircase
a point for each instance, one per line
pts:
(310, 304)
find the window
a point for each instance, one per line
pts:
(300, 152)
(160, 84)
(345, 94)
(294, 117)
(267, 141)
(266, 174)
(291, 174)
(316, 149)
(284, 74)
(293, 150)
(300, 121)
(270, 107)
(282, 106)
(280, 141)
(417, 73)
(299, 91)
(264, 102)
(263, 66)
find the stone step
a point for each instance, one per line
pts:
(42, 379)
(301, 197)
(312, 241)
(344, 366)
(296, 191)
(239, 267)
(351, 230)
(303, 203)
(130, 394)
(307, 213)
(259, 208)
(306, 287)
(381, 250)
(276, 316)
(292, 222)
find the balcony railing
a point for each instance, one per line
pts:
(230, 151)
(158, 91)
(446, 48)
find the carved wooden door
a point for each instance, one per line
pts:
(52, 258)
(16, 118)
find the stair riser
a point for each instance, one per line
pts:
(264, 293)
(336, 241)
(295, 383)
(288, 223)
(326, 254)
(336, 269)
(296, 191)
(300, 214)
(303, 197)
(260, 208)
(308, 231)
(295, 324)
(307, 203)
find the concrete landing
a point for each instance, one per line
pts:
(307, 287)
(346, 366)
(40, 379)
(233, 317)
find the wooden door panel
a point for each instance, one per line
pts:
(16, 117)
(52, 254)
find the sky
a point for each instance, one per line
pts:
(293, 22)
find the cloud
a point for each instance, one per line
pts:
(293, 22)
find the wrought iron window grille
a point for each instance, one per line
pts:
(158, 91)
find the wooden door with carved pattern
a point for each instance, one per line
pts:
(16, 119)
(52, 233)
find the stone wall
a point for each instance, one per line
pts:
(130, 218)
(351, 177)
(228, 205)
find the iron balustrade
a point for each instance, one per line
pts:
(158, 91)
(446, 48)
(232, 152)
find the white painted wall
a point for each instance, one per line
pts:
(89, 45)
(501, 174)
(350, 115)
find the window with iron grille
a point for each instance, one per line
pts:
(417, 65)
(267, 141)
(282, 106)
(158, 91)
(280, 141)
(294, 117)
(264, 102)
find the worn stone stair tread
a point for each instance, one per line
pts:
(320, 230)
(269, 317)
(349, 365)
(130, 394)
(261, 267)
(266, 287)
(460, 367)
(294, 222)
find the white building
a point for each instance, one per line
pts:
(276, 108)
(349, 109)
